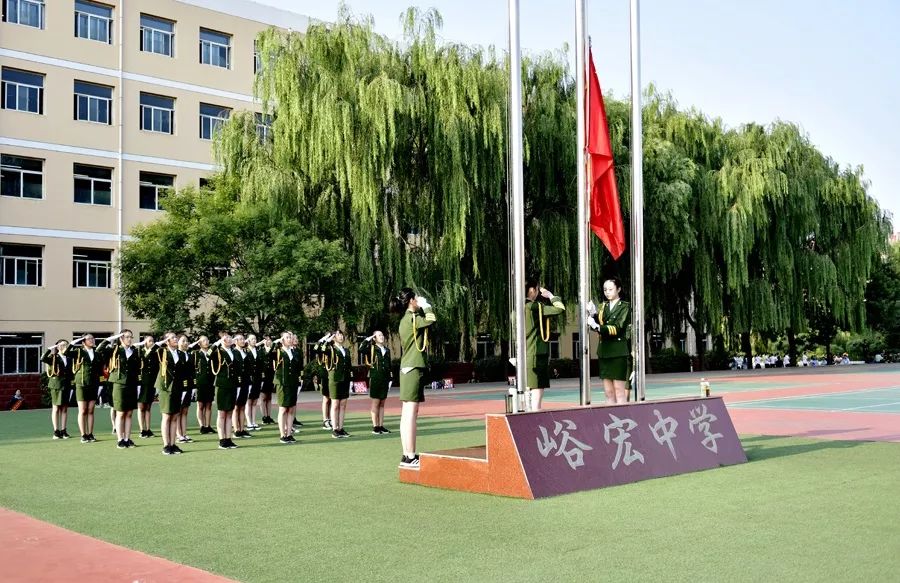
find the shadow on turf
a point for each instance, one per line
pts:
(758, 448)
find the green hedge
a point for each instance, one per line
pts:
(670, 360)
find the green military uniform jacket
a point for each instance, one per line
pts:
(168, 377)
(86, 370)
(250, 376)
(615, 330)
(185, 370)
(222, 368)
(413, 337)
(379, 362)
(202, 374)
(264, 368)
(59, 372)
(285, 369)
(240, 366)
(339, 365)
(149, 367)
(123, 370)
(537, 350)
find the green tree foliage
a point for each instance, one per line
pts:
(211, 263)
(883, 298)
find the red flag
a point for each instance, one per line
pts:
(606, 216)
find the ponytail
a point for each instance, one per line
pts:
(400, 302)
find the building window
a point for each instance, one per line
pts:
(211, 118)
(25, 12)
(22, 264)
(215, 48)
(153, 186)
(93, 21)
(257, 64)
(576, 345)
(23, 90)
(264, 127)
(91, 267)
(20, 353)
(484, 346)
(554, 345)
(157, 113)
(93, 102)
(157, 35)
(21, 177)
(93, 185)
(206, 184)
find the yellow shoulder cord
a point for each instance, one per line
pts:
(53, 370)
(545, 336)
(330, 364)
(370, 358)
(278, 360)
(212, 367)
(424, 336)
(163, 364)
(114, 359)
(76, 366)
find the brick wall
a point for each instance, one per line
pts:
(29, 384)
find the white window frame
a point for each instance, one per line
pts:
(90, 99)
(88, 18)
(156, 188)
(213, 121)
(21, 178)
(16, 85)
(210, 45)
(19, 350)
(154, 122)
(155, 38)
(95, 268)
(17, 261)
(93, 182)
(20, 5)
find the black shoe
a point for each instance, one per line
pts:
(57, 434)
(223, 444)
(384, 429)
(297, 423)
(91, 437)
(84, 439)
(285, 440)
(231, 444)
(121, 444)
(167, 450)
(144, 434)
(268, 421)
(150, 433)
(202, 430)
(65, 434)
(291, 439)
(129, 443)
(376, 431)
(336, 434)
(176, 450)
(344, 433)
(410, 462)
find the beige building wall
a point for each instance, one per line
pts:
(56, 223)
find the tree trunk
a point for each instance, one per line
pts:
(828, 356)
(747, 348)
(792, 346)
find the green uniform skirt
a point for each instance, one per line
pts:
(170, 401)
(538, 377)
(124, 397)
(57, 397)
(241, 395)
(617, 368)
(378, 387)
(85, 393)
(225, 398)
(285, 396)
(205, 393)
(148, 393)
(340, 390)
(411, 387)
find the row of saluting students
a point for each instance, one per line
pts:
(236, 374)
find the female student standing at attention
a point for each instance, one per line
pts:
(221, 362)
(377, 357)
(124, 374)
(149, 372)
(264, 374)
(59, 381)
(169, 385)
(417, 317)
(285, 375)
(86, 368)
(613, 324)
(339, 377)
(203, 382)
(185, 379)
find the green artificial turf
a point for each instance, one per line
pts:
(333, 510)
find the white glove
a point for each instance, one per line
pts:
(78, 341)
(423, 303)
(369, 339)
(160, 343)
(328, 338)
(513, 361)
(591, 308)
(546, 293)
(113, 337)
(323, 339)
(594, 325)
(193, 394)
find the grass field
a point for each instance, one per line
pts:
(333, 510)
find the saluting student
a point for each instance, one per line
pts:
(86, 368)
(59, 381)
(613, 324)
(295, 347)
(340, 374)
(540, 306)
(323, 363)
(124, 374)
(285, 368)
(149, 372)
(264, 373)
(417, 317)
(254, 357)
(203, 384)
(242, 369)
(185, 378)
(168, 384)
(221, 363)
(377, 357)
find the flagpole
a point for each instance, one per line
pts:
(584, 241)
(637, 209)
(517, 183)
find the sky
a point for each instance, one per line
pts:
(830, 66)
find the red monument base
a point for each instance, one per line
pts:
(546, 453)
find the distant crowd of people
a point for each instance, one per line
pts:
(739, 362)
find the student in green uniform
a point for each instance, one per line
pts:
(169, 388)
(417, 317)
(295, 347)
(185, 378)
(377, 357)
(264, 373)
(149, 372)
(59, 381)
(285, 368)
(221, 363)
(540, 306)
(203, 383)
(613, 324)
(86, 368)
(124, 374)
(255, 357)
(242, 370)
(323, 364)
(340, 374)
